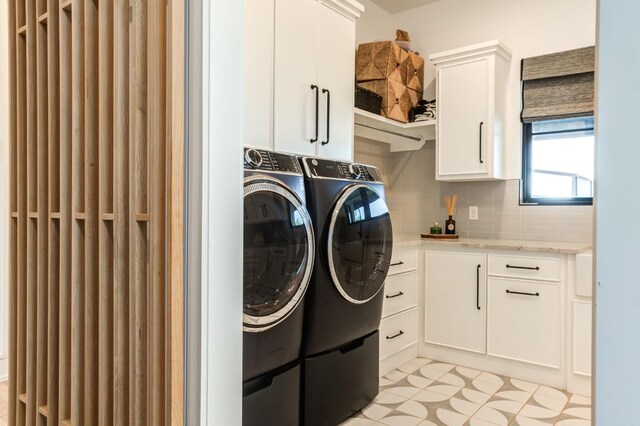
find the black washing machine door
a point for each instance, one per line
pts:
(359, 243)
(278, 252)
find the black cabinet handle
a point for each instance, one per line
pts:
(397, 263)
(398, 294)
(400, 333)
(480, 142)
(328, 113)
(314, 87)
(524, 294)
(531, 268)
(478, 287)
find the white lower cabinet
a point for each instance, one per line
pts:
(400, 322)
(582, 338)
(523, 321)
(455, 308)
(398, 332)
(499, 311)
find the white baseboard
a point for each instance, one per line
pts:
(4, 369)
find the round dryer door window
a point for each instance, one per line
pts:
(359, 243)
(278, 253)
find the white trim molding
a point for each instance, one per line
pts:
(348, 8)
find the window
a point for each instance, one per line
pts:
(558, 163)
(557, 116)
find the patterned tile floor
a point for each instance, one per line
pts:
(4, 397)
(428, 393)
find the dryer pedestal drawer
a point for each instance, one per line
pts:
(398, 332)
(400, 293)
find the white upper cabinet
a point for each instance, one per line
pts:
(299, 76)
(471, 112)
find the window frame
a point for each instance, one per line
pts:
(526, 198)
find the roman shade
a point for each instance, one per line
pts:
(558, 85)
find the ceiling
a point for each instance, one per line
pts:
(396, 6)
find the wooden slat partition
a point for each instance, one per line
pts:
(21, 182)
(32, 205)
(96, 210)
(121, 359)
(53, 350)
(105, 202)
(13, 207)
(66, 224)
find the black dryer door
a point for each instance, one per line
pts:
(278, 253)
(359, 243)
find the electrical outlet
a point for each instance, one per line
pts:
(473, 212)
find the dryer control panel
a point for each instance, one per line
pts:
(269, 161)
(321, 168)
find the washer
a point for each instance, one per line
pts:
(343, 305)
(279, 252)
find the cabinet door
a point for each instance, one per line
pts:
(463, 120)
(294, 73)
(455, 308)
(336, 70)
(258, 73)
(582, 338)
(524, 321)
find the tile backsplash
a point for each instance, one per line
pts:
(416, 199)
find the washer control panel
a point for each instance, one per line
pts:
(321, 168)
(269, 161)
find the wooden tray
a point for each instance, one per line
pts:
(441, 236)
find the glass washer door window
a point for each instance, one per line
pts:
(359, 243)
(278, 253)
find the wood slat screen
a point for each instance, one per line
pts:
(96, 200)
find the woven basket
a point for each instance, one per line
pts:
(396, 101)
(381, 60)
(368, 100)
(414, 69)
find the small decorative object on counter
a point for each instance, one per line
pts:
(435, 229)
(424, 111)
(450, 224)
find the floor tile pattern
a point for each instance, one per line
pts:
(4, 398)
(431, 393)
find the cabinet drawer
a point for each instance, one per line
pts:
(523, 322)
(398, 332)
(403, 260)
(535, 268)
(400, 293)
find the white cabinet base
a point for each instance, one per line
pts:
(399, 359)
(518, 370)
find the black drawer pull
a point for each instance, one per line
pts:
(397, 263)
(531, 268)
(522, 293)
(398, 294)
(400, 333)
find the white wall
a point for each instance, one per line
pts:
(528, 27)
(4, 192)
(222, 175)
(375, 24)
(617, 335)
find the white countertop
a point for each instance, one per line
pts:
(409, 240)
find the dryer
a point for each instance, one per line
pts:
(279, 253)
(343, 306)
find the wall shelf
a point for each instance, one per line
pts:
(399, 136)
